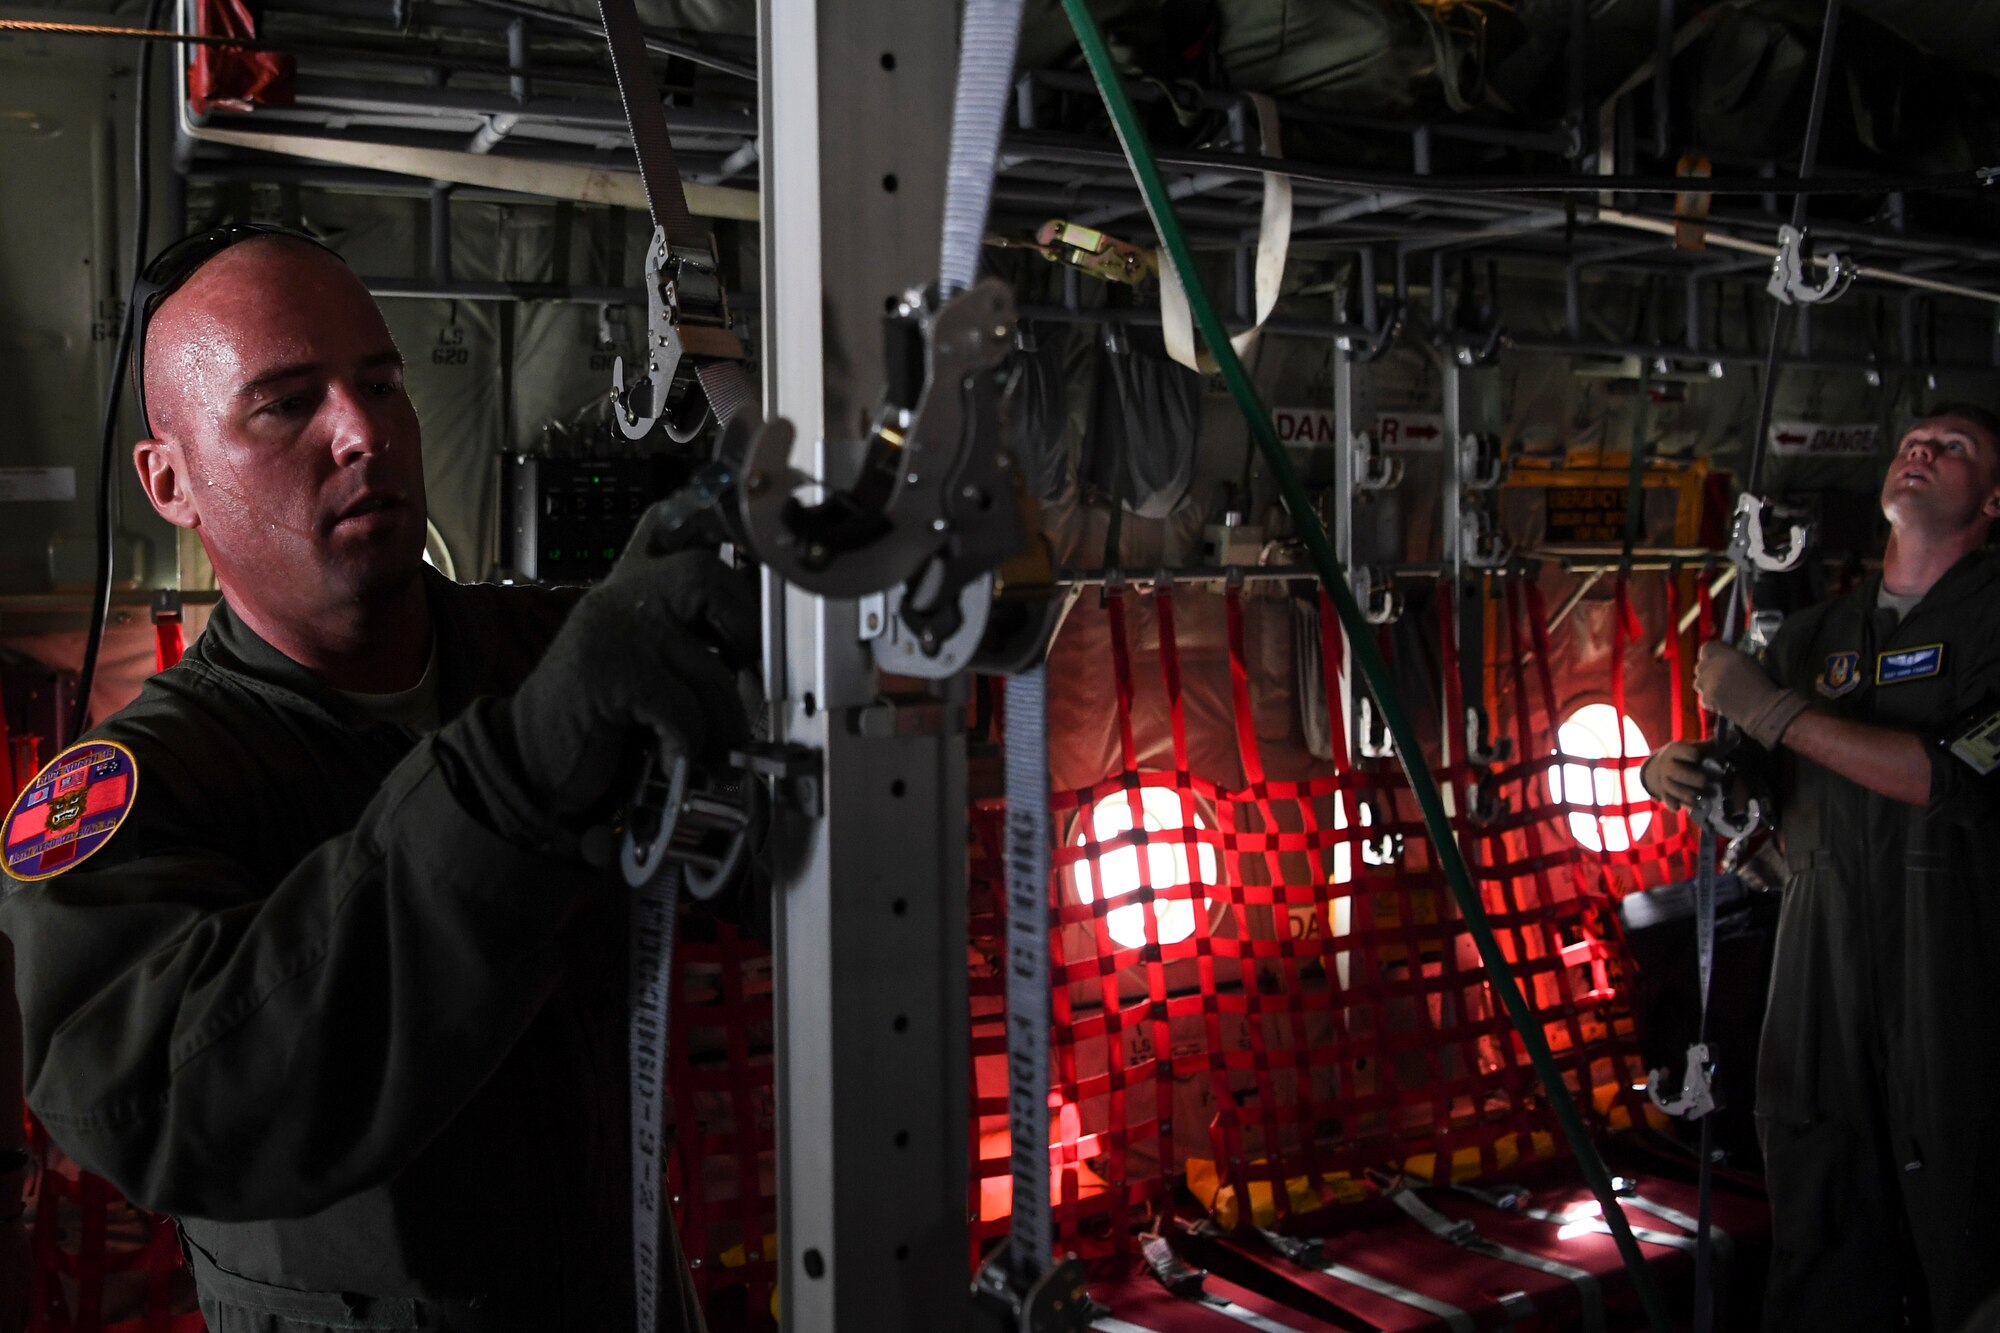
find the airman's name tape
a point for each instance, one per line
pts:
(70, 810)
(1901, 664)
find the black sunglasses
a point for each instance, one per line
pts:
(168, 273)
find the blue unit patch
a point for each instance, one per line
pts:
(1901, 664)
(1841, 676)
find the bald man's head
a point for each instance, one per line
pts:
(279, 429)
(172, 342)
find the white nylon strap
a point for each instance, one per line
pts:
(1716, 1235)
(1229, 1309)
(1246, 1316)
(1465, 1236)
(1457, 1320)
(1274, 241)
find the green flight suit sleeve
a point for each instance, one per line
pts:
(1960, 794)
(237, 1050)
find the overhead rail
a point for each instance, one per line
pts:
(485, 102)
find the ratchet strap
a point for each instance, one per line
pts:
(724, 382)
(1031, 1239)
(1596, 1225)
(1274, 241)
(655, 1250)
(1466, 1236)
(1228, 1309)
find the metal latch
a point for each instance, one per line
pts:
(1697, 1095)
(935, 507)
(1374, 470)
(1095, 253)
(1795, 258)
(687, 315)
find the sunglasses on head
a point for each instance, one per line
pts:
(168, 273)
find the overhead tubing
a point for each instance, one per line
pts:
(1366, 655)
(1724, 241)
(549, 180)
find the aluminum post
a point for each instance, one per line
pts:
(871, 1036)
(1345, 430)
(1451, 530)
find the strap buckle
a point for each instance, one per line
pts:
(1093, 252)
(1697, 1094)
(687, 318)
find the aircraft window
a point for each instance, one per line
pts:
(1591, 732)
(1166, 863)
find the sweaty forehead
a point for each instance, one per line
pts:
(263, 303)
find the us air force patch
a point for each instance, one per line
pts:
(70, 810)
(1841, 676)
(1901, 664)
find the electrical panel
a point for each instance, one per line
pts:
(565, 519)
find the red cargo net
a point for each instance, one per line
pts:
(1278, 993)
(97, 1264)
(722, 1174)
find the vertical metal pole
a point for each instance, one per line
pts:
(1451, 586)
(870, 913)
(1345, 428)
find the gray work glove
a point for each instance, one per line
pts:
(1732, 683)
(649, 658)
(1674, 775)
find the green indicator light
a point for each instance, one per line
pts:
(596, 480)
(610, 553)
(555, 553)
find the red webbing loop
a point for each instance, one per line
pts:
(1624, 628)
(1676, 675)
(1550, 938)
(168, 645)
(230, 78)
(721, 1176)
(81, 1267)
(1225, 1127)
(1451, 727)
(1704, 632)
(1287, 1118)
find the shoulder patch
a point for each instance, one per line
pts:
(70, 810)
(1841, 675)
(1901, 664)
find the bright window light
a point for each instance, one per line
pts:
(1591, 732)
(1166, 865)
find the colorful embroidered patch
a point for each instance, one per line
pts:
(1841, 676)
(1901, 664)
(70, 810)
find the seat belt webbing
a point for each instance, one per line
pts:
(1466, 1236)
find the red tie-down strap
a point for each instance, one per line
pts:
(1704, 632)
(225, 78)
(1677, 678)
(722, 1174)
